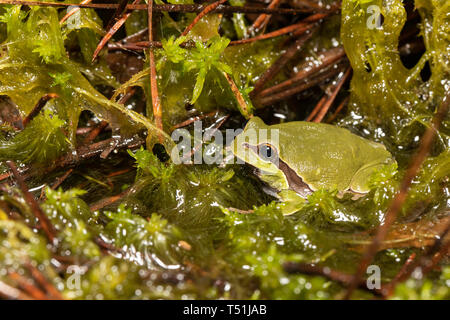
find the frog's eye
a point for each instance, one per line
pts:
(267, 152)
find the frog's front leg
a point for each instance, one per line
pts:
(360, 181)
(291, 202)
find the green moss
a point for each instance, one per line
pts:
(35, 55)
(393, 103)
(204, 231)
(20, 245)
(424, 289)
(40, 142)
(71, 217)
(152, 242)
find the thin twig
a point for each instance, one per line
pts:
(400, 198)
(329, 99)
(43, 281)
(338, 109)
(105, 153)
(203, 13)
(284, 59)
(263, 19)
(156, 102)
(114, 28)
(107, 247)
(328, 58)
(425, 263)
(118, 172)
(127, 96)
(187, 8)
(334, 275)
(9, 292)
(137, 35)
(193, 119)
(35, 208)
(57, 183)
(27, 286)
(81, 154)
(95, 132)
(73, 11)
(38, 107)
(242, 104)
(61, 179)
(299, 26)
(108, 201)
(5, 175)
(404, 272)
(121, 9)
(311, 82)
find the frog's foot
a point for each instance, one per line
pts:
(355, 195)
(291, 202)
(359, 183)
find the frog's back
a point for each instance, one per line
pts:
(327, 156)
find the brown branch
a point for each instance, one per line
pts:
(400, 198)
(133, 47)
(329, 99)
(5, 176)
(440, 250)
(203, 13)
(137, 35)
(118, 172)
(57, 183)
(27, 286)
(73, 11)
(61, 179)
(9, 292)
(127, 96)
(38, 107)
(109, 200)
(35, 208)
(263, 19)
(284, 59)
(105, 153)
(289, 29)
(53, 293)
(426, 263)
(308, 83)
(329, 57)
(243, 106)
(189, 121)
(118, 13)
(156, 102)
(334, 275)
(95, 132)
(87, 152)
(81, 154)
(141, 45)
(107, 247)
(338, 109)
(186, 8)
(114, 28)
(402, 274)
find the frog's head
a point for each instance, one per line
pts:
(258, 145)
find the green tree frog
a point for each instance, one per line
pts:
(297, 158)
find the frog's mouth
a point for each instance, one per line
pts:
(294, 181)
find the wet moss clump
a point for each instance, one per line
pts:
(134, 224)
